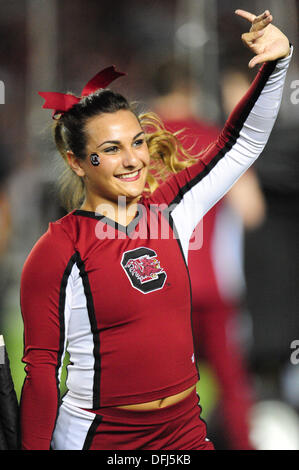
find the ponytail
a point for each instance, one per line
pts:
(71, 186)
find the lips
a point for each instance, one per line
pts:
(132, 176)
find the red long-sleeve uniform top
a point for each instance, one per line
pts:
(118, 298)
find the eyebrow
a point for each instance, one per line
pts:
(118, 141)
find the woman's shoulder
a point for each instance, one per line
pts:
(65, 227)
(51, 255)
(59, 239)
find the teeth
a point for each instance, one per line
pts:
(128, 175)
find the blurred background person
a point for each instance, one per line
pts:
(5, 229)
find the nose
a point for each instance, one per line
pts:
(129, 158)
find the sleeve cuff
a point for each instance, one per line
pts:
(286, 60)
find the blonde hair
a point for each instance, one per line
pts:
(167, 156)
(71, 187)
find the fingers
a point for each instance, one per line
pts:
(262, 21)
(266, 41)
(263, 16)
(258, 22)
(245, 14)
(258, 59)
(249, 38)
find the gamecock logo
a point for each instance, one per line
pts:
(143, 269)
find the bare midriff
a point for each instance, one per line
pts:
(161, 403)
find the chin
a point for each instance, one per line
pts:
(135, 193)
(131, 198)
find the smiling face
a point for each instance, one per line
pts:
(119, 141)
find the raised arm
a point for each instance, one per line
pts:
(192, 192)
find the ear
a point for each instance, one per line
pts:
(75, 163)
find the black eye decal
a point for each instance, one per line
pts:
(95, 159)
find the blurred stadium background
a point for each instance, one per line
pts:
(52, 45)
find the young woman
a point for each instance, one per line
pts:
(109, 281)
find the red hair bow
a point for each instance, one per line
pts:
(62, 102)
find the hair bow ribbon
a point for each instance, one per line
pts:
(62, 102)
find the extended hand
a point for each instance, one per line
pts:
(264, 39)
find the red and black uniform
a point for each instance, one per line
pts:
(118, 298)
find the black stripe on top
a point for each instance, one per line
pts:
(233, 138)
(91, 432)
(94, 330)
(107, 220)
(61, 307)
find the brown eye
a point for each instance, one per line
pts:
(112, 149)
(138, 142)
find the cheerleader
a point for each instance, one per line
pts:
(109, 282)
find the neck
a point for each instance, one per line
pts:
(122, 211)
